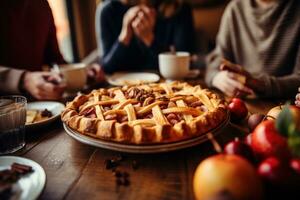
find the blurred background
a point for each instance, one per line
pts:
(75, 23)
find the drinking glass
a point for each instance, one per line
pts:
(12, 123)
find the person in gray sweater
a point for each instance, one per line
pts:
(257, 49)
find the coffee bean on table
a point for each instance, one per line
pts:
(126, 182)
(119, 182)
(135, 165)
(117, 173)
(110, 164)
(120, 158)
(125, 174)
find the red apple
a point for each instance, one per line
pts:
(295, 165)
(266, 141)
(275, 171)
(230, 173)
(240, 148)
(238, 109)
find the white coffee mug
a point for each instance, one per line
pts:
(74, 75)
(174, 65)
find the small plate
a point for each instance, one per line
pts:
(31, 185)
(54, 107)
(123, 78)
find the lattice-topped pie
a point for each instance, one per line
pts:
(146, 114)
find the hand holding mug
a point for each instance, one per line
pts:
(43, 85)
(95, 73)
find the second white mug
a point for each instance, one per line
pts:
(174, 65)
(75, 76)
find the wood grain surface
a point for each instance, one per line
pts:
(77, 171)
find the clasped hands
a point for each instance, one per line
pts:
(139, 21)
(234, 81)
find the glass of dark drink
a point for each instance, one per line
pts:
(12, 123)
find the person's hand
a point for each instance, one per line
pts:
(127, 32)
(43, 85)
(230, 84)
(297, 101)
(96, 73)
(245, 77)
(143, 25)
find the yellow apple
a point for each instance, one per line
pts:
(274, 112)
(231, 174)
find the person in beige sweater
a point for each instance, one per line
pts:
(257, 49)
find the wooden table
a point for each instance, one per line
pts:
(77, 171)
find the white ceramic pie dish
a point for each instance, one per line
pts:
(143, 149)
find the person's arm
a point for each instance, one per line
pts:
(284, 86)
(10, 79)
(40, 85)
(113, 52)
(222, 50)
(52, 52)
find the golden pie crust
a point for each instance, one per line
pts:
(146, 114)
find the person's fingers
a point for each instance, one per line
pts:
(143, 19)
(48, 90)
(55, 79)
(137, 26)
(237, 85)
(130, 16)
(91, 73)
(141, 23)
(149, 15)
(238, 77)
(146, 10)
(240, 94)
(297, 103)
(96, 73)
(228, 90)
(298, 97)
(229, 66)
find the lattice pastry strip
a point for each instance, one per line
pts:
(159, 116)
(181, 103)
(98, 108)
